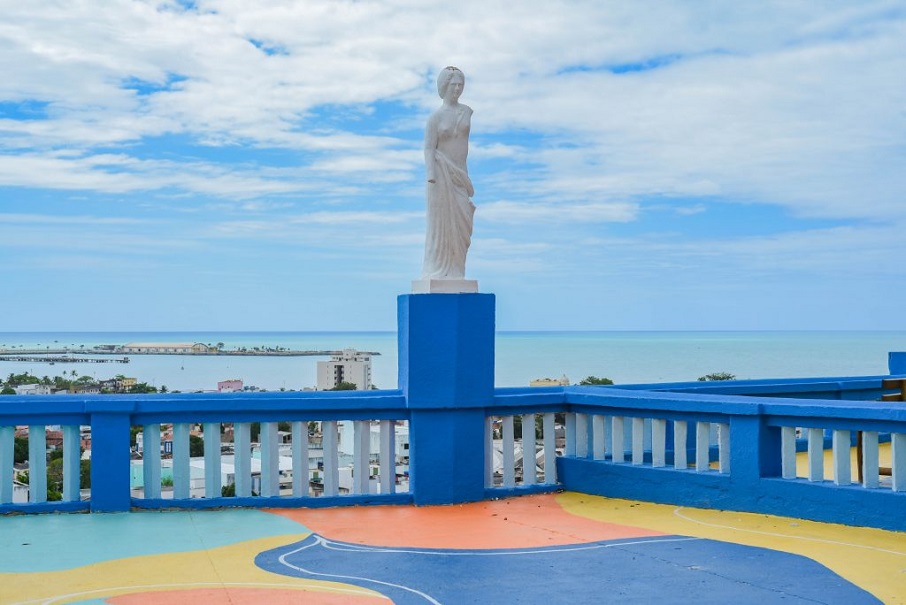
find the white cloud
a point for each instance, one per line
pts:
(300, 124)
(527, 212)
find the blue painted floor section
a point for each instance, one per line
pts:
(625, 571)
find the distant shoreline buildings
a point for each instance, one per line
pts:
(349, 366)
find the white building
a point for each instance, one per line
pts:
(165, 347)
(348, 366)
(563, 381)
(33, 389)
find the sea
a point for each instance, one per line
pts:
(520, 357)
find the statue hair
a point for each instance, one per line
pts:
(444, 77)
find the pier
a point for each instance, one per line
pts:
(63, 355)
(62, 359)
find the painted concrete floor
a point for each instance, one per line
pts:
(558, 548)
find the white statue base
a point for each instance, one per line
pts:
(445, 286)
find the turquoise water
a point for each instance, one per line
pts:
(624, 357)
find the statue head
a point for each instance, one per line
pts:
(444, 77)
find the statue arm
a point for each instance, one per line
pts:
(430, 147)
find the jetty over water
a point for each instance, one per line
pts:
(55, 358)
(92, 354)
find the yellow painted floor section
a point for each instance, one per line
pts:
(221, 568)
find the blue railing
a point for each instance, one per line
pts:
(447, 435)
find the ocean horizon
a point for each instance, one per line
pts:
(626, 357)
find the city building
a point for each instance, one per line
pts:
(33, 389)
(118, 384)
(563, 381)
(350, 366)
(165, 347)
(234, 385)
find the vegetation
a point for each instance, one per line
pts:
(20, 451)
(594, 380)
(67, 381)
(196, 446)
(54, 470)
(344, 386)
(717, 376)
(142, 387)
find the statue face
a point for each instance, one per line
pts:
(454, 87)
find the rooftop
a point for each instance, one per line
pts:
(548, 548)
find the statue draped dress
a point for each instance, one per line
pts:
(450, 208)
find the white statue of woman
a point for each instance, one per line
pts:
(449, 190)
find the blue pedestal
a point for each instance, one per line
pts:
(446, 372)
(446, 350)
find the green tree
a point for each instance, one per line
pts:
(20, 449)
(717, 376)
(594, 380)
(344, 386)
(142, 387)
(8, 390)
(196, 446)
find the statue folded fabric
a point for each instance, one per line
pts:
(449, 189)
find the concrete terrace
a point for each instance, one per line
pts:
(547, 548)
(763, 491)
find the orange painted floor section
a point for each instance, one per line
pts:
(514, 523)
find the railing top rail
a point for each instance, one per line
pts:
(770, 386)
(13, 408)
(813, 409)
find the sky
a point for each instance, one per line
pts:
(258, 165)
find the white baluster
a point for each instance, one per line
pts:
(242, 457)
(680, 454)
(870, 462)
(898, 455)
(331, 458)
(599, 437)
(788, 452)
(569, 448)
(151, 460)
(361, 452)
(72, 463)
(816, 454)
(7, 455)
(581, 436)
(702, 442)
(550, 449)
(388, 456)
(617, 435)
(300, 458)
(181, 470)
(37, 463)
(212, 478)
(509, 455)
(638, 441)
(723, 447)
(841, 453)
(658, 442)
(529, 474)
(489, 451)
(270, 460)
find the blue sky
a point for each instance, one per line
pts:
(638, 165)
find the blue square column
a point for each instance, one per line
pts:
(110, 455)
(446, 372)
